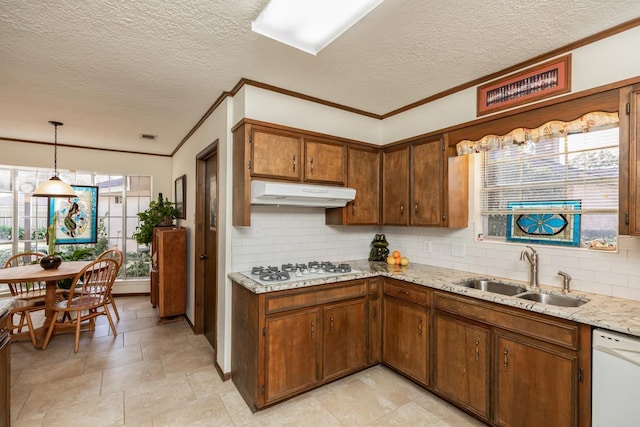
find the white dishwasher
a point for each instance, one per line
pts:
(615, 380)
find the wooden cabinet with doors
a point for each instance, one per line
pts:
(634, 163)
(345, 338)
(363, 174)
(395, 186)
(325, 162)
(5, 371)
(272, 152)
(287, 342)
(275, 153)
(462, 362)
(292, 353)
(423, 186)
(406, 329)
(169, 271)
(536, 383)
(540, 365)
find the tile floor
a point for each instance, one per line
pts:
(150, 375)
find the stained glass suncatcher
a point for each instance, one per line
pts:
(549, 222)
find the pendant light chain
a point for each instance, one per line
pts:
(55, 146)
(55, 151)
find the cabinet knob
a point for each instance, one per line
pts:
(311, 161)
(204, 257)
(294, 163)
(401, 209)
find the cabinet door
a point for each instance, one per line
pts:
(375, 333)
(364, 176)
(634, 164)
(462, 363)
(275, 155)
(325, 162)
(292, 347)
(428, 186)
(345, 335)
(395, 187)
(405, 338)
(536, 385)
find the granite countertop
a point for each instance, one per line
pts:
(5, 303)
(602, 311)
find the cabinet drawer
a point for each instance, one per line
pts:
(412, 293)
(306, 297)
(552, 330)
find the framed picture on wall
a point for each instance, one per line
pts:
(180, 190)
(76, 217)
(535, 83)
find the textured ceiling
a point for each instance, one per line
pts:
(112, 69)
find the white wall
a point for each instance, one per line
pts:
(272, 107)
(216, 127)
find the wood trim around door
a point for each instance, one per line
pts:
(200, 235)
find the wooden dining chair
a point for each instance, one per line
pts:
(113, 253)
(30, 296)
(86, 300)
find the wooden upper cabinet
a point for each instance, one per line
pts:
(428, 183)
(395, 186)
(634, 163)
(325, 162)
(363, 174)
(421, 185)
(275, 154)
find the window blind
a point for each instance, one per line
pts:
(580, 167)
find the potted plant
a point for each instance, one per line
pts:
(51, 260)
(159, 212)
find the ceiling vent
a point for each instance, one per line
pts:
(148, 136)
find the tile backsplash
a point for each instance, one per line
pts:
(288, 234)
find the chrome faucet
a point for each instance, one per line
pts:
(566, 281)
(532, 257)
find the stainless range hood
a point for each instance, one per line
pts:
(289, 194)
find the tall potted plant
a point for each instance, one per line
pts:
(159, 212)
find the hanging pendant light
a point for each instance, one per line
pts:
(54, 187)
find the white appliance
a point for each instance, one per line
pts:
(290, 194)
(615, 380)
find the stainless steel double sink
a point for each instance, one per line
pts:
(519, 291)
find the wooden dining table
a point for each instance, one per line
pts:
(35, 273)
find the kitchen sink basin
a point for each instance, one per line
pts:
(495, 287)
(560, 300)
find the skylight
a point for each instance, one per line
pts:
(310, 25)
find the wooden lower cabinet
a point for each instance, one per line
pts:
(287, 342)
(462, 363)
(405, 331)
(292, 354)
(511, 367)
(503, 365)
(536, 384)
(345, 339)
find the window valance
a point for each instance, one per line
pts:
(597, 120)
